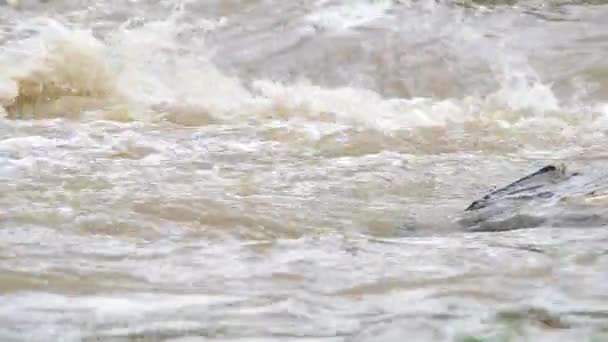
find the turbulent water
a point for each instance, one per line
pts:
(259, 170)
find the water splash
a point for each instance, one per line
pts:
(157, 70)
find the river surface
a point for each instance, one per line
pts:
(254, 170)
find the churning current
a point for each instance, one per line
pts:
(251, 170)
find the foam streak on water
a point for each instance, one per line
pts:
(278, 171)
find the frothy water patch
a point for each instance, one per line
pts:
(141, 71)
(67, 76)
(342, 17)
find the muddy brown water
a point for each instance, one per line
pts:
(292, 171)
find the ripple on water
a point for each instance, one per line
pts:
(292, 171)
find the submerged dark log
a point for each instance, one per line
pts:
(550, 196)
(526, 188)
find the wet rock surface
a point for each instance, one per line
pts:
(552, 195)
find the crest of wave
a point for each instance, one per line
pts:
(149, 71)
(134, 73)
(59, 72)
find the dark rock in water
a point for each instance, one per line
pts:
(551, 196)
(526, 188)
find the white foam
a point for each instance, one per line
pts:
(143, 72)
(344, 16)
(521, 87)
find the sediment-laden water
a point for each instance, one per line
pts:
(295, 170)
